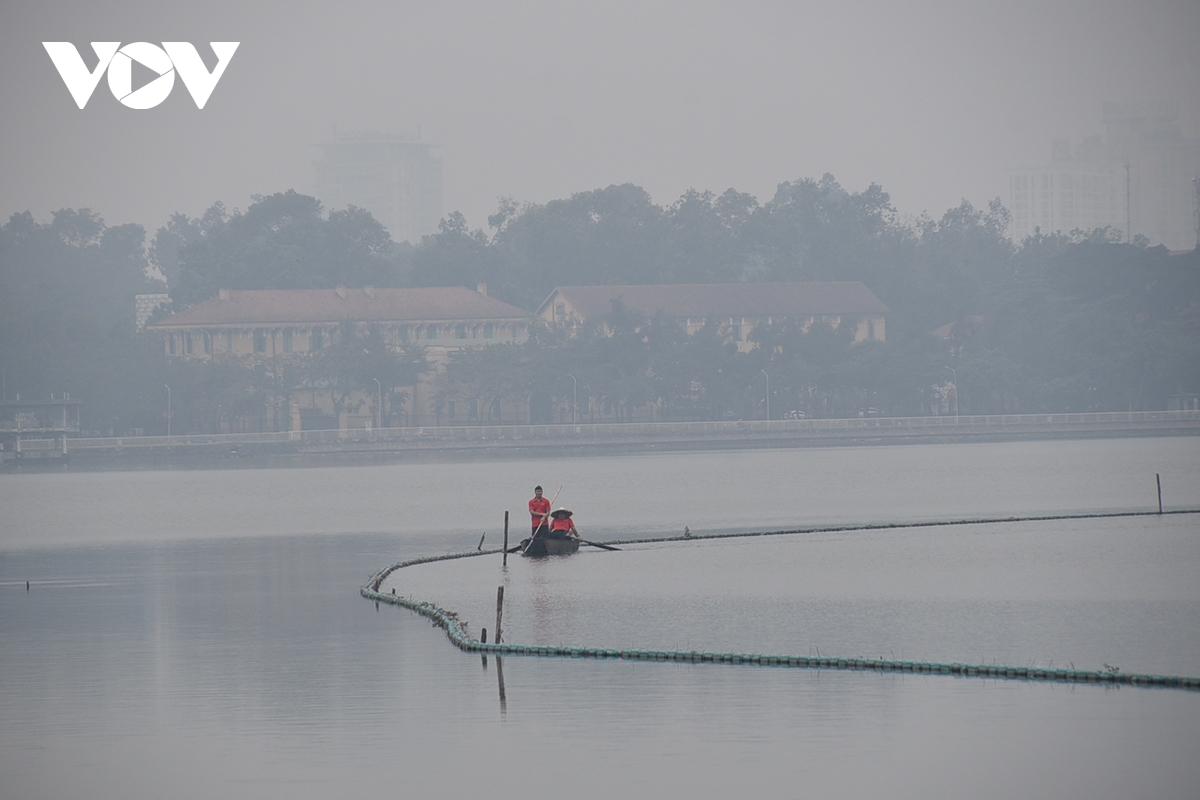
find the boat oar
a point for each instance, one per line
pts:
(597, 544)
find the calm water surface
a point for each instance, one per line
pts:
(200, 634)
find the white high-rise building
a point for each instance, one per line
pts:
(394, 177)
(1139, 179)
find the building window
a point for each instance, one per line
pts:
(287, 340)
(431, 331)
(208, 347)
(460, 330)
(187, 344)
(229, 341)
(871, 330)
(260, 340)
(171, 343)
(489, 330)
(315, 340)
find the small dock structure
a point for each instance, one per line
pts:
(38, 429)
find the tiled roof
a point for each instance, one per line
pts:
(317, 306)
(725, 299)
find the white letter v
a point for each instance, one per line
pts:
(74, 72)
(196, 76)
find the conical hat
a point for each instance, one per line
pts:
(560, 512)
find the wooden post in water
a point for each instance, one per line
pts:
(506, 538)
(1158, 480)
(499, 610)
(500, 679)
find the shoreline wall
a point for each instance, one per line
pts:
(391, 443)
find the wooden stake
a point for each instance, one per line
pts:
(506, 538)
(499, 610)
(1158, 480)
(500, 679)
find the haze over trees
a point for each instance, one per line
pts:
(1076, 322)
(66, 311)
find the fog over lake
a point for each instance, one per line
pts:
(200, 633)
(878, 178)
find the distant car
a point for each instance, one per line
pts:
(868, 412)
(795, 414)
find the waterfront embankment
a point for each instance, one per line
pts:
(400, 443)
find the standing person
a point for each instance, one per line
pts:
(539, 511)
(561, 524)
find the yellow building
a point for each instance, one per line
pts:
(736, 307)
(275, 327)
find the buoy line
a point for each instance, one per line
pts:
(448, 620)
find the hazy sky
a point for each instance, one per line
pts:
(537, 100)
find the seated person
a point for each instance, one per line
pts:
(561, 524)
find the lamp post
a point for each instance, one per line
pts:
(955, 376)
(378, 403)
(574, 396)
(168, 388)
(768, 377)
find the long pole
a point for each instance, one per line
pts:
(499, 611)
(168, 388)
(574, 396)
(378, 403)
(764, 372)
(955, 375)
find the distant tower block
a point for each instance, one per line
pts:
(1136, 179)
(394, 177)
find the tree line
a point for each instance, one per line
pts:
(1059, 322)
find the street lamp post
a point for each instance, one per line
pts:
(378, 403)
(768, 377)
(955, 376)
(574, 396)
(168, 388)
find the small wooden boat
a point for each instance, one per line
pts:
(549, 546)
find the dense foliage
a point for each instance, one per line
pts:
(67, 314)
(1056, 323)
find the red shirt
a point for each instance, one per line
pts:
(538, 507)
(561, 524)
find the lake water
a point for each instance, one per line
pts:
(200, 633)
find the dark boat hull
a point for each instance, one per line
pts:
(547, 546)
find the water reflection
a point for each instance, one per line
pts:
(500, 683)
(171, 645)
(1041, 593)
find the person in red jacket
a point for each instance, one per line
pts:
(539, 512)
(561, 524)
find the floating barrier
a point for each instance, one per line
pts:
(449, 621)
